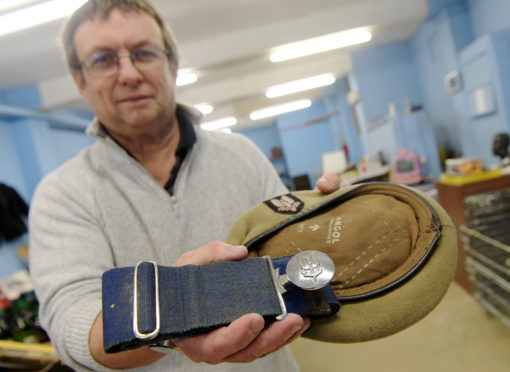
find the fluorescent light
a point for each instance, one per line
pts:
(300, 85)
(37, 14)
(219, 124)
(9, 4)
(204, 108)
(280, 109)
(320, 44)
(185, 78)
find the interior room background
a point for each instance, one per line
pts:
(365, 112)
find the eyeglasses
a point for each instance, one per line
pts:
(106, 63)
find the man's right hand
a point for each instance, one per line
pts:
(245, 339)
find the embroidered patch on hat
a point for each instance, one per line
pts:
(286, 204)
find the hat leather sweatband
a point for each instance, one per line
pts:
(393, 250)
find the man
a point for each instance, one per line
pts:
(153, 187)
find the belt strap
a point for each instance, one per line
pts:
(149, 304)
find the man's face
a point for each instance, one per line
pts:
(132, 99)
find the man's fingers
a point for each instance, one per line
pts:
(306, 324)
(214, 347)
(277, 335)
(328, 183)
(213, 252)
(244, 340)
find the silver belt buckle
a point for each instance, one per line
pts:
(136, 330)
(308, 270)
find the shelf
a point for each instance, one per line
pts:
(16, 355)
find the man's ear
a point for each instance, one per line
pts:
(79, 80)
(174, 68)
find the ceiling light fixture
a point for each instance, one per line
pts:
(219, 124)
(185, 78)
(300, 85)
(204, 108)
(37, 14)
(280, 109)
(11, 4)
(320, 44)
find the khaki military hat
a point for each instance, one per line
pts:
(394, 250)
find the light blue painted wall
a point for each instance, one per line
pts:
(343, 126)
(19, 167)
(68, 143)
(29, 149)
(382, 139)
(11, 169)
(461, 25)
(386, 74)
(336, 130)
(484, 67)
(33, 141)
(445, 43)
(414, 131)
(302, 144)
(26, 96)
(436, 6)
(411, 131)
(489, 16)
(436, 56)
(266, 137)
(11, 174)
(401, 73)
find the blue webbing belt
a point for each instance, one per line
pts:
(190, 300)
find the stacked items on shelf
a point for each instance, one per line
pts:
(486, 238)
(23, 343)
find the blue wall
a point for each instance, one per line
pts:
(414, 72)
(484, 65)
(306, 134)
(18, 167)
(11, 169)
(343, 126)
(29, 149)
(469, 36)
(489, 16)
(436, 56)
(305, 137)
(386, 74)
(266, 138)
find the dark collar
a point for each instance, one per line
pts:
(188, 135)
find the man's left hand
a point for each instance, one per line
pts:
(328, 183)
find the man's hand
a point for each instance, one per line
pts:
(328, 183)
(212, 252)
(245, 339)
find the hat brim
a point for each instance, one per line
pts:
(382, 314)
(389, 313)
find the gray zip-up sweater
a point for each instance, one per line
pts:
(102, 209)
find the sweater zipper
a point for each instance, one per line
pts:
(175, 206)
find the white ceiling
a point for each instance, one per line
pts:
(226, 42)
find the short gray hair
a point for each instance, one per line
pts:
(103, 8)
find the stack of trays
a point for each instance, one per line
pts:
(486, 239)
